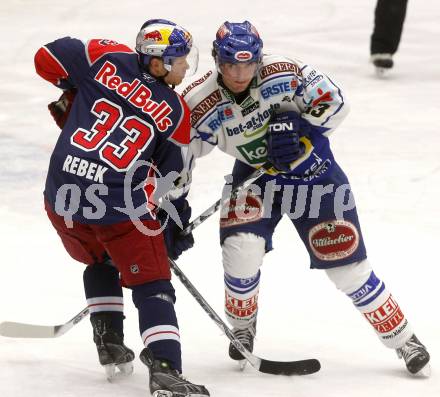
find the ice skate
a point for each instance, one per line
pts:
(416, 357)
(112, 352)
(383, 63)
(246, 337)
(168, 382)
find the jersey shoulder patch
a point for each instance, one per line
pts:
(205, 105)
(200, 88)
(196, 83)
(277, 65)
(202, 96)
(96, 48)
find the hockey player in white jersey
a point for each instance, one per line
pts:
(260, 108)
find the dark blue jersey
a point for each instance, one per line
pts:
(125, 128)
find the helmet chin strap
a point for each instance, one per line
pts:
(167, 72)
(160, 78)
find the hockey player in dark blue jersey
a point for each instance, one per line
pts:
(125, 132)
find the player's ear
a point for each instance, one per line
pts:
(156, 67)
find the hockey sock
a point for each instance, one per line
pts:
(241, 300)
(104, 294)
(158, 322)
(374, 301)
(382, 311)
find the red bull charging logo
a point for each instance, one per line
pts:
(155, 35)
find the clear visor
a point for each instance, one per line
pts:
(185, 66)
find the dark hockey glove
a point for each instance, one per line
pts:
(283, 144)
(60, 109)
(175, 241)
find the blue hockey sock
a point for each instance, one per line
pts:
(104, 294)
(158, 322)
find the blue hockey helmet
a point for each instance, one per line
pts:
(167, 40)
(237, 42)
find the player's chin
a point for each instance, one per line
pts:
(238, 87)
(176, 80)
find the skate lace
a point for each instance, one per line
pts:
(100, 331)
(245, 336)
(410, 350)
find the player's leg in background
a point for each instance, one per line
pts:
(336, 245)
(389, 17)
(245, 237)
(103, 293)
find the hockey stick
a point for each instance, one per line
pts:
(23, 330)
(299, 367)
(241, 185)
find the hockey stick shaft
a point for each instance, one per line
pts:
(300, 367)
(214, 208)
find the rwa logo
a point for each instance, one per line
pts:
(254, 152)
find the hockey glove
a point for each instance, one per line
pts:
(60, 109)
(175, 241)
(283, 144)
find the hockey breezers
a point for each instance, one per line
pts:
(299, 367)
(241, 185)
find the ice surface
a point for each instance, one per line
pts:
(389, 147)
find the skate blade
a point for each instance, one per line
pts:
(167, 393)
(382, 72)
(162, 393)
(242, 364)
(425, 372)
(124, 370)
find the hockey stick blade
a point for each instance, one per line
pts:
(299, 367)
(23, 330)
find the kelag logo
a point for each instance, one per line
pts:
(254, 152)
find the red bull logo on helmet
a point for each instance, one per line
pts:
(155, 35)
(222, 32)
(243, 56)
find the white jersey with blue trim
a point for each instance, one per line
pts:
(281, 84)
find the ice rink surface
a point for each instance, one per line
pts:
(389, 146)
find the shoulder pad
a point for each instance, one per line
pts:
(196, 83)
(200, 88)
(204, 104)
(277, 65)
(96, 48)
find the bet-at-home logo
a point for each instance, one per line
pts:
(254, 152)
